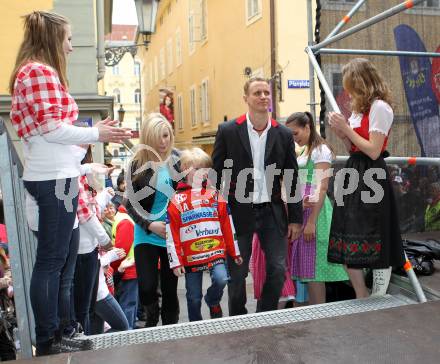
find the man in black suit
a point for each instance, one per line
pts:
(252, 156)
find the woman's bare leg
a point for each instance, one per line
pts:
(358, 281)
(316, 293)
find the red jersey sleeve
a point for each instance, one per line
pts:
(174, 245)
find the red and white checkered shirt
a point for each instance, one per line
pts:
(40, 103)
(87, 205)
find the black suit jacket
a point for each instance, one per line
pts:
(232, 142)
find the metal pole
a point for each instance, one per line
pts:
(21, 282)
(346, 19)
(414, 280)
(322, 79)
(374, 52)
(408, 4)
(410, 161)
(311, 72)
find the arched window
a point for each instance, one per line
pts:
(137, 96)
(117, 95)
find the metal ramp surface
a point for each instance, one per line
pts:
(246, 322)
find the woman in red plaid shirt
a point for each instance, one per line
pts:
(42, 113)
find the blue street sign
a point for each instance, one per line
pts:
(85, 122)
(298, 83)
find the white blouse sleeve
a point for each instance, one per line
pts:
(381, 117)
(321, 154)
(71, 134)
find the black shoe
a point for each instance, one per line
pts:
(170, 318)
(215, 311)
(76, 343)
(47, 348)
(153, 313)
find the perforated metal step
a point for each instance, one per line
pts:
(250, 321)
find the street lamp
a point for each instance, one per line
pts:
(121, 114)
(146, 11)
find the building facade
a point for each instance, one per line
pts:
(424, 19)
(89, 19)
(123, 82)
(202, 52)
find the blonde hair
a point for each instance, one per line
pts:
(151, 131)
(251, 80)
(364, 83)
(195, 157)
(44, 34)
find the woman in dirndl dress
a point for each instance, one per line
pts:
(365, 226)
(308, 253)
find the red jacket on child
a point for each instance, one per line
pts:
(199, 229)
(123, 238)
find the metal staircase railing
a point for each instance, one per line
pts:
(22, 243)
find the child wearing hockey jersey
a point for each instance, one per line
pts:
(200, 233)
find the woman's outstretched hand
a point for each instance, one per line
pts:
(108, 132)
(338, 123)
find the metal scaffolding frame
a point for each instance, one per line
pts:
(334, 36)
(22, 242)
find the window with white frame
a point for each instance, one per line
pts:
(117, 95)
(253, 9)
(170, 56)
(162, 65)
(192, 104)
(137, 69)
(115, 70)
(137, 96)
(180, 112)
(204, 100)
(203, 19)
(191, 38)
(178, 48)
(156, 70)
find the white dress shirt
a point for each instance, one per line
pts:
(258, 148)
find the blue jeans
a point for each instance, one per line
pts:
(52, 276)
(108, 310)
(127, 296)
(214, 294)
(85, 286)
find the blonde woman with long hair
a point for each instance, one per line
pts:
(151, 181)
(365, 227)
(42, 113)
